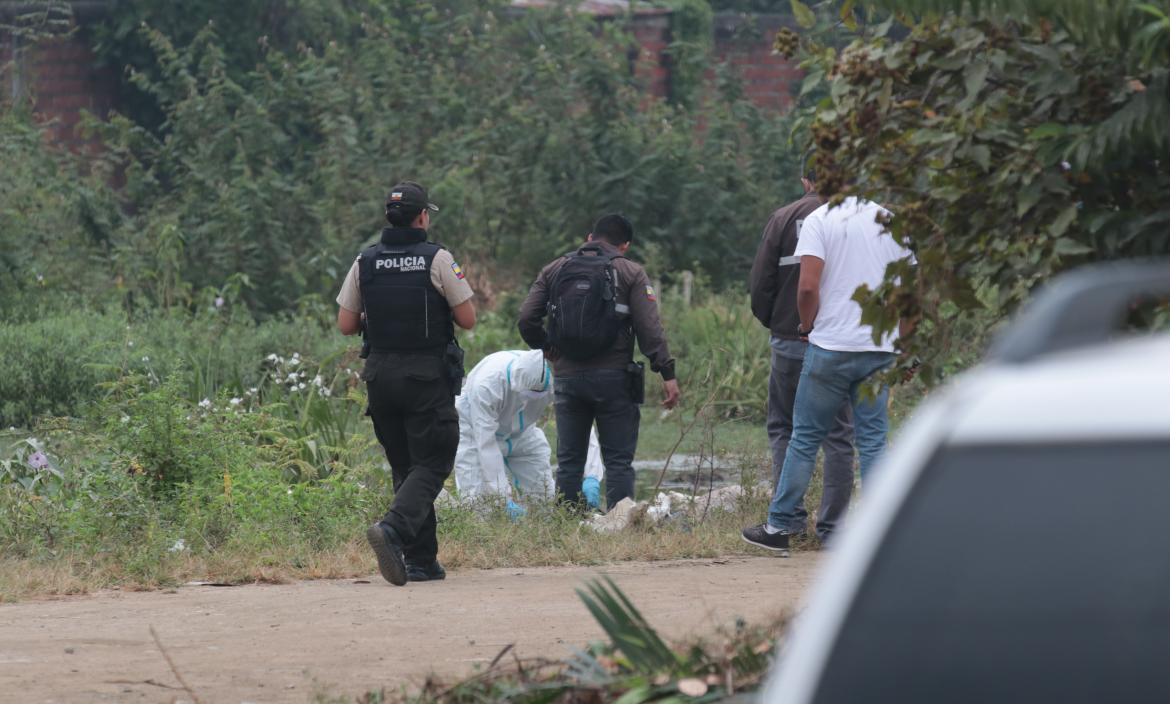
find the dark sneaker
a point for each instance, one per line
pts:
(388, 549)
(776, 542)
(425, 573)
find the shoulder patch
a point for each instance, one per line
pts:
(650, 293)
(458, 270)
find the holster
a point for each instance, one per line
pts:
(453, 361)
(365, 353)
(636, 378)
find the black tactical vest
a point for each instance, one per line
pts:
(404, 311)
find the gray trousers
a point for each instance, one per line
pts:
(837, 446)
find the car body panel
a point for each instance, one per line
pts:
(1117, 392)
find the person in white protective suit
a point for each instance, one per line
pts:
(502, 451)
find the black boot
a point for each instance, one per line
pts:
(388, 549)
(425, 573)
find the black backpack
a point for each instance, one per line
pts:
(583, 320)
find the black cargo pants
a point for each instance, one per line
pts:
(414, 417)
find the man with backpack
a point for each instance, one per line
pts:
(597, 302)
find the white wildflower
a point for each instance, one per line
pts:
(145, 358)
(301, 385)
(318, 381)
(236, 401)
(219, 301)
(125, 418)
(292, 378)
(179, 546)
(272, 357)
(205, 403)
(326, 391)
(130, 343)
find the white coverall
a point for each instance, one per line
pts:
(501, 449)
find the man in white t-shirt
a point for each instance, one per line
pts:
(841, 249)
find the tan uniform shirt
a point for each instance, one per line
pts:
(446, 277)
(634, 291)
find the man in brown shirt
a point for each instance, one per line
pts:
(605, 386)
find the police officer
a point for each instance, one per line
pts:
(602, 385)
(407, 293)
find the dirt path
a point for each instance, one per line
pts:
(283, 643)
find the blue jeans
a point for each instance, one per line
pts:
(827, 380)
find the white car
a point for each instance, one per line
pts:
(1015, 543)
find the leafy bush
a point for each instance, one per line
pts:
(1056, 110)
(267, 161)
(61, 363)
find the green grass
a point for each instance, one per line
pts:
(190, 454)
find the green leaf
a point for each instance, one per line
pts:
(975, 78)
(805, 17)
(637, 695)
(811, 81)
(1068, 247)
(847, 16)
(1062, 222)
(1028, 198)
(1047, 131)
(981, 155)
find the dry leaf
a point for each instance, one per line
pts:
(692, 687)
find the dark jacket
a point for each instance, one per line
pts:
(633, 290)
(773, 282)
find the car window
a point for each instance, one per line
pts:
(1018, 573)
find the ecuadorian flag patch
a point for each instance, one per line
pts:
(457, 269)
(650, 293)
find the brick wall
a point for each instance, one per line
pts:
(652, 64)
(745, 43)
(769, 80)
(59, 77)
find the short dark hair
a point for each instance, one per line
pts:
(807, 170)
(401, 216)
(613, 228)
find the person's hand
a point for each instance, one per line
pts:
(670, 393)
(911, 370)
(551, 353)
(515, 510)
(591, 488)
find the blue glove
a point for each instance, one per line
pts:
(591, 488)
(515, 510)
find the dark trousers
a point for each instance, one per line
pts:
(601, 396)
(415, 420)
(838, 447)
